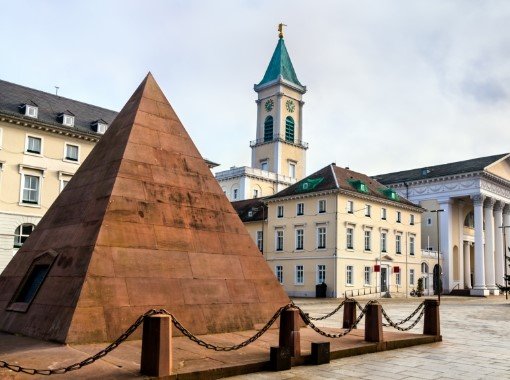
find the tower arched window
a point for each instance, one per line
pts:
(21, 234)
(289, 129)
(268, 129)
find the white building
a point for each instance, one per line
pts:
(475, 197)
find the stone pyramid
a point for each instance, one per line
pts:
(143, 224)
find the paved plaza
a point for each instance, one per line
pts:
(476, 345)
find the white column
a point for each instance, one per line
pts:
(498, 243)
(460, 244)
(467, 265)
(490, 277)
(506, 222)
(479, 288)
(445, 238)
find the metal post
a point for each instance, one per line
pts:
(439, 285)
(504, 257)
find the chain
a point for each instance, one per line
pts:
(308, 322)
(396, 325)
(85, 362)
(329, 314)
(211, 346)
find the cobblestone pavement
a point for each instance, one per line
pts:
(476, 345)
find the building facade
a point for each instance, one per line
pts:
(43, 140)
(341, 228)
(278, 151)
(474, 196)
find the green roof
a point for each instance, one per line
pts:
(280, 65)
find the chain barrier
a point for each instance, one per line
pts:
(91, 359)
(306, 318)
(397, 325)
(211, 346)
(308, 322)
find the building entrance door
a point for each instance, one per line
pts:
(384, 279)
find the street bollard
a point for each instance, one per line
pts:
(431, 325)
(349, 314)
(289, 331)
(320, 353)
(279, 358)
(373, 323)
(156, 346)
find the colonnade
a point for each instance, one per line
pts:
(488, 261)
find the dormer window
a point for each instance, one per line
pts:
(99, 126)
(391, 194)
(29, 110)
(66, 119)
(359, 186)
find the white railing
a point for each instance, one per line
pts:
(431, 254)
(245, 170)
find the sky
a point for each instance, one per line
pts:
(391, 85)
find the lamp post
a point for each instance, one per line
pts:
(438, 262)
(504, 258)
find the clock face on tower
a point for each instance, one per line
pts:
(290, 105)
(269, 105)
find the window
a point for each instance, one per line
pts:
(63, 184)
(411, 245)
(350, 207)
(255, 193)
(349, 275)
(398, 244)
(260, 240)
(367, 210)
(321, 237)
(368, 240)
(429, 222)
(30, 111)
(30, 189)
(300, 276)
(32, 282)
(279, 273)
(322, 206)
(71, 152)
(397, 279)
(235, 193)
(299, 239)
(349, 239)
(300, 209)
(21, 234)
(279, 240)
(289, 129)
(268, 129)
(368, 271)
(383, 213)
(67, 120)
(383, 241)
(411, 220)
(279, 211)
(321, 274)
(399, 217)
(101, 128)
(411, 276)
(264, 165)
(292, 170)
(34, 145)
(424, 268)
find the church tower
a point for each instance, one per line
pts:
(278, 157)
(279, 146)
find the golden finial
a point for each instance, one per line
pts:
(280, 30)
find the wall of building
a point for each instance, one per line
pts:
(50, 166)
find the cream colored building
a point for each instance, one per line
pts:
(278, 151)
(475, 198)
(43, 140)
(342, 228)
